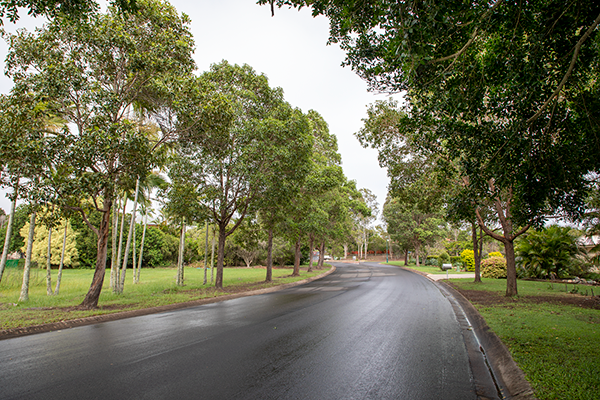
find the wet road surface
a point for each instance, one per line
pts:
(367, 331)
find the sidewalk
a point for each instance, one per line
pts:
(439, 277)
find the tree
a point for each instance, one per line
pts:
(53, 8)
(227, 163)
(94, 71)
(504, 88)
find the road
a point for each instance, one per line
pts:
(367, 331)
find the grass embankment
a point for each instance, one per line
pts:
(157, 288)
(428, 269)
(550, 333)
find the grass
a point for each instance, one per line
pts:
(428, 269)
(557, 346)
(157, 288)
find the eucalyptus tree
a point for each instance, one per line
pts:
(93, 72)
(508, 89)
(228, 162)
(51, 8)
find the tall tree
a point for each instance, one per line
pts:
(94, 71)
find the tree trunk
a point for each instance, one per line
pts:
(9, 227)
(476, 253)
(181, 254)
(26, 271)
(345, 251)
(297, 256)
(129, 236)
(62, 259)
(117, 287)
(311, 253)
(93, 294)
(113, 249)
(417, 255)
(221, 256)
(405, 257)
(212, 257)
(511, 269)
(49, 264)
(269, 277)
(206, 255)
(137, 278)
(321, 255)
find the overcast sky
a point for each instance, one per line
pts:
(291, 50)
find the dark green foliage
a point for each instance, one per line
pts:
(493, 267)
(86, 241)
(160, 248)
(549, 252)
(21, 218)
(443, 258)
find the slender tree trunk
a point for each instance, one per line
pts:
(297, 255)
(93, 295)
(49, 264)
(405, 257)
(120, 251)
(212, 257)
(311, 253)
(129, 236)
(417, 255)
(181, 253)
(321, 255)
(511, 269)
(269, 277)
(206, 256)
(27, 270)
(221, 256)
(133, 256)
(11, 218)
(139, 268)
(345, 251)
(476, 253)
(113, 255)
(62, 259)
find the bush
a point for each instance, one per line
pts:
(443, 258)
(431, 260)
(468, 260)
(455, 261)
(493, 267)
(495, 254)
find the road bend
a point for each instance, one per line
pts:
(367, 331)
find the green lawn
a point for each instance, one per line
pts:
(157, 288)
(428, 269)
(556, 345)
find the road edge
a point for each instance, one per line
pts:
(509, 377)
(73, 323)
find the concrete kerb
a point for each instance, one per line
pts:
(508, 377)
(30, 330)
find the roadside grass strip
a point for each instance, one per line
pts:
(157, 288)
(556, 344)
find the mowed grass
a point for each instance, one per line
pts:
(156, 288)
(556, 345)
(428, 269)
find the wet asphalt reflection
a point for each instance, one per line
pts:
(367, 331)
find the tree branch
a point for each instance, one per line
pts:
(577, 48)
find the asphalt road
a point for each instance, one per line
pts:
(367, 331)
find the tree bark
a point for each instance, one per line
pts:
(405, 257)
(11, 218)
(297, 256)
(220, 256)
(345, 251)
(206, 255)
(511, 269)
(137, 278)
(212, 257)
(93, 294)
(116, 289)
(269, 277)
(476, 253)
(49, 264)
(62, 259)
(321, 255)
(27, 269)
(181, 254)
(311, 253)
(113, 254)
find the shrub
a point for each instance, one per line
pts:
(495, 254)
(455, 260)
(468, 259)
(431, 260)
(443, 258)
(493, 267)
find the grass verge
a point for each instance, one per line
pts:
(157, 288)
(551, 333)
(428, 269)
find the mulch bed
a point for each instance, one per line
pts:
(485, 297)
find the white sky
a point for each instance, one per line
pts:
(290, 49)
